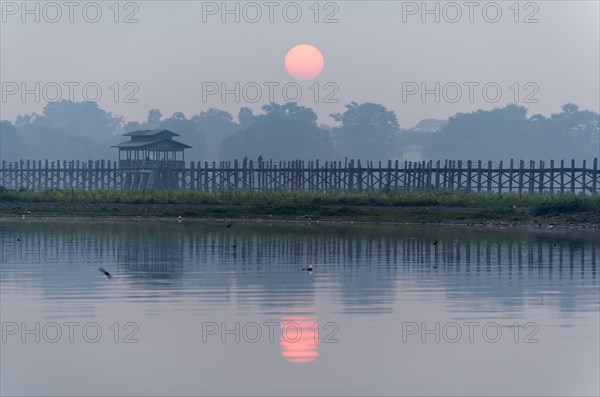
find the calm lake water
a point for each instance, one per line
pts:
(202, 309)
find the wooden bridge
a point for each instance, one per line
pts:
(515, 176)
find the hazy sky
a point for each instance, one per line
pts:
(377, 51)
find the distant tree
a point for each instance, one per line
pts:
(135, 126)
(71, 130)
(153, 120)
(421, 134)
(283, 132)
(505, 133)
(25, 120)
(291, 111)
(245, 117)
(367, 115)
(80, 118)
(497, 134)
(368, 131)
(12, 144)
(177, 122)
(217, 125)
(190, 132)
(82, 130)
(430, 125)
(573, 133)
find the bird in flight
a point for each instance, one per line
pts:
(107, 274)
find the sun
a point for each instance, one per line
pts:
(304, 62)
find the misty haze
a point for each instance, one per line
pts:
(299, 198)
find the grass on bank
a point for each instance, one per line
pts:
(432, 206)
(551, 202)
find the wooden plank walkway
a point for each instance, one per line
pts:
(516, 176)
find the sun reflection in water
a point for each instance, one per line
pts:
(300, 338)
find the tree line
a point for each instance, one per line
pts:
(369, 131)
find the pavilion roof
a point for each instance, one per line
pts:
(157, 144)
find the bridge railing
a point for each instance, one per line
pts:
(513, 176)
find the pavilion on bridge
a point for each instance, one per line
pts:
(151, 159)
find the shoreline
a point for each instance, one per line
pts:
(434, 208)
(528, 225)
(488, 225)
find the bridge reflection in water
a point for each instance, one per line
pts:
(362, 266)
(171, 277)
